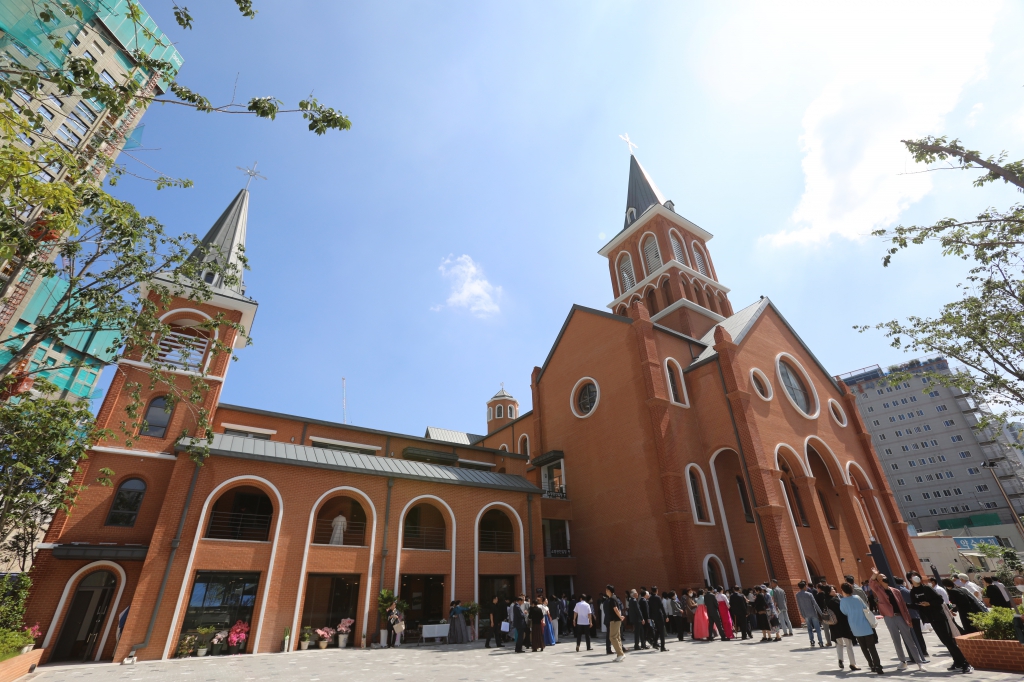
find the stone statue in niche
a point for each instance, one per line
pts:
(338, 526)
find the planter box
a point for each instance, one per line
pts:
(1005, 655)
(22, 664)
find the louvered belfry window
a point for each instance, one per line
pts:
(677, 249)
(626, 273)
(651, 254)
(702, 267)
(183, 348)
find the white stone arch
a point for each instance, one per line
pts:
(476, 549)
(698, 254)
(187, 580)
(401, 537)
(721, 511)
(849, 474)
(792, 450)
(721, 567)
(844, 476)
(111, 613)
(643, 252)
(680, 380)
(707, 496)
(305, 558)
(524, 439)
(626, 256)
(216, 330)
(503, 447)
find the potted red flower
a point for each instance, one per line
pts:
(237, 636)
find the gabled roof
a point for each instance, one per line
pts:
(739, 324)
(371, 465)
(641, 192)
(222, 241)
(452, 436)
(565, 325)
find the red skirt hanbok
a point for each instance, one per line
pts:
(700, 622)
(723, 608)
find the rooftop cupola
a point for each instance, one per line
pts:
(501, 409)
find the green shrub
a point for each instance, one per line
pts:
(13, 593)
(996, 624)
(12, 641)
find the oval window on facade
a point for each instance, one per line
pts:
(584, 398)
(797, 386)
(762, 386)
(837, 412)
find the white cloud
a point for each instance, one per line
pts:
(470, 289)
(873, 76)
(972, 117)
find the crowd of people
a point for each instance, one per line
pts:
(841, 617)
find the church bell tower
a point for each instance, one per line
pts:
(662, 260)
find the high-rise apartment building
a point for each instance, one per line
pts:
(946, 473)
(107, 36)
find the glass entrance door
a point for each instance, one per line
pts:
(221, 600)
(80, 633)
(329, 599)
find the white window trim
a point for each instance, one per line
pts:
(503, 447)
(707, 497)
(490, 414)
(527, 439)
(250, 429)
(575, 390)
(682, 245)
(509, 411)
(643, 252)
(707, 261)
(499, 412)
(807, 381)
(680, 379)
(834, 405)
(618, 272)
(764, 380)
(331, 441)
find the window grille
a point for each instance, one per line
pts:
(651, 254)
(183, 350)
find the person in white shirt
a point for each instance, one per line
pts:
(581, 615)
(965, 582)
(940, 589)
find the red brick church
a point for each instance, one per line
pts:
(672, 441)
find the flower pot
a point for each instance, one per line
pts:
(201, 652)
(383, 637)
(27, 648)
(232, 649)
(303, 644)
(322, 643)
(1006, 655)
(342, 640)
(215, 648)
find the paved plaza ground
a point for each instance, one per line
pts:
(751, 661)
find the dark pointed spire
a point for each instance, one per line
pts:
(642, 192)
(222, 241)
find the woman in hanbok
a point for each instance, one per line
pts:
(700, 616)
(761, 609)
(723, 610)
(458, 633)
(549, 630)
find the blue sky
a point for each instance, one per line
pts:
(435, 249)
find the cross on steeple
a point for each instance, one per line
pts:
(251, 172)
(629, 144)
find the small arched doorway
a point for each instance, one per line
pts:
(80, 633)
(812, 570)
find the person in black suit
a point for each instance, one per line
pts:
(637, 619)
(497, 617)
(714, 615)
(738, 611)
(519, 623)
(657, 620)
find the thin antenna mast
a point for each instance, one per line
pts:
(344, 403)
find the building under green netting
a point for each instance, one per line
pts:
(974, 520)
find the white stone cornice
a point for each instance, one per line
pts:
(653, 277)
(133, 453)
(657, 209)
(182, 372)
(686, 303)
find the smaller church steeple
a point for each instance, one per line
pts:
(501, 409)
(221, 244)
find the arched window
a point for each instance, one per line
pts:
(490, 414)
(511, 411)
(524, 445)
(341, 521)
(795, 501)
(676, 382)
(652, 256)
(498, 412)
(666, 292)
(829, 519)
(242, 513)
(698, 258)
(496, 532)
(424, 528)
(626, 276)
(157, 418)
(127, 502)
(630, 215)
(748, 513)
(651, 302)
(678, 252)
(699, 509)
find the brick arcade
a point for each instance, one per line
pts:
(671, 441)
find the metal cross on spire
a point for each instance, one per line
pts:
(251, 172)
(629, 144)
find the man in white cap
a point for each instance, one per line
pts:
(965, 582)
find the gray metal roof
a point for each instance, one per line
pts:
(737, 325)
(339, 460)
(449, 435)
(641, 193)
(226, 235)
(502, 394)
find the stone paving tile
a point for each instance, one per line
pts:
(788, 661)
